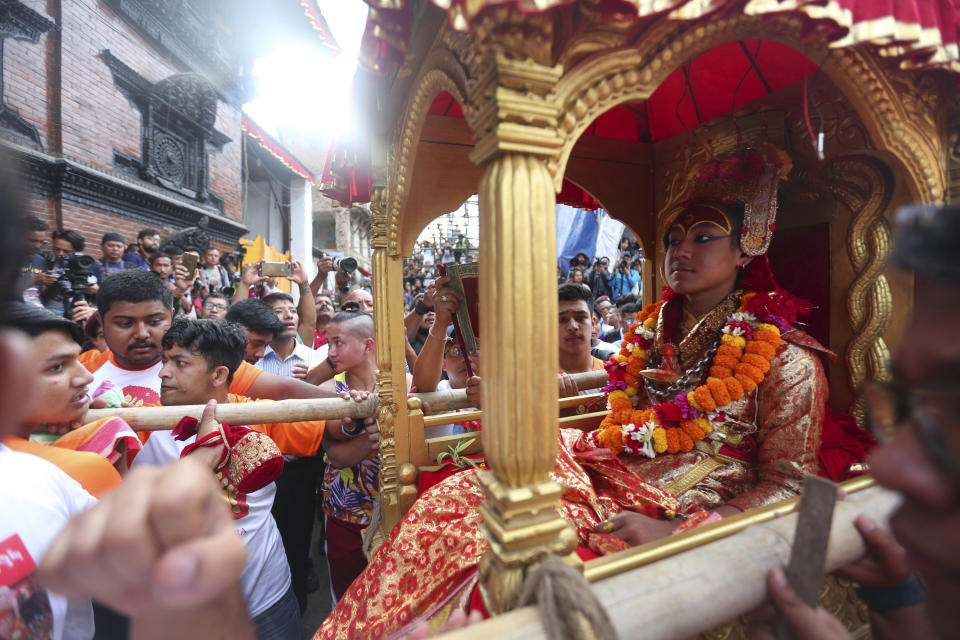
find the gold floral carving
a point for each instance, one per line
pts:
(863, 185)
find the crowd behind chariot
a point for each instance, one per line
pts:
(139, 325)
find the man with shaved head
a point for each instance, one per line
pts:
(361, 297)
(349, 492)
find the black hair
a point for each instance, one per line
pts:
(75, 239)
(220, 343)
(277, 296)
(146, 233)
(256, 315)
(33, 223)
(219, 295)
(630, 307)
(133, 285)
(226, 259)
(926, 243)
(156, 255)
(628, 298)
(350, 317)
(570, 291)
(170, 249)
(34, 321)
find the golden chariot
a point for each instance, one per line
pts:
(519, 101)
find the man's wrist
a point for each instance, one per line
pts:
(908, 593)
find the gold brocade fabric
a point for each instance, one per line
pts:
(431, 556)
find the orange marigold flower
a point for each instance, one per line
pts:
(686, 442)
(611, 438)
(758, 361)
(725, 361)
(704, 398)
(750, 371)
(734, 388)
(660, 440)
(692, 429)
(634, 366)
(692, 401)
(763, 349)
(746, 382)
(631, 380)
(746, 300)
(720, 372)
(622, 416)
(719, 391)
(619, 400)
(770, 337)
(673, 440)
(638, 416)
(729, 350)
(628, 338)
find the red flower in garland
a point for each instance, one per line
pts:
(668, 412)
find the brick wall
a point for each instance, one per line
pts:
(95, 118)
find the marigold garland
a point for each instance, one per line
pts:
(747, 346)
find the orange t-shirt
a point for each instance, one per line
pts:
(95, 474)
(243, 378)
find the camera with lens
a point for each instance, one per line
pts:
(75, 272)
(345, 264)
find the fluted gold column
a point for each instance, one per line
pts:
(518, 326)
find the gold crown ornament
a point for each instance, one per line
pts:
(748, 175)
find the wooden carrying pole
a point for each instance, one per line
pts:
(704, 587)
(159, 418)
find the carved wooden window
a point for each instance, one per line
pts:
(178, 117)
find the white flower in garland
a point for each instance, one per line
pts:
(639, 439)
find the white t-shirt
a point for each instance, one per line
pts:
(266, 577)
(140, 386)
(36, 501)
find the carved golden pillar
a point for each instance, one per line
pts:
(390, 345)
(518, 325)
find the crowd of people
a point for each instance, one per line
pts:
(604, 281)
(716, 404)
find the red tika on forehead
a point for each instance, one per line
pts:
(702, 213)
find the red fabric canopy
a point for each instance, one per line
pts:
(921, 33)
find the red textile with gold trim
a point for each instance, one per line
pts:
(254, 462)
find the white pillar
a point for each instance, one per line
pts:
(301, 227)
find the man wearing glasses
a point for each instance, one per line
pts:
(911, 590)
(214, 307)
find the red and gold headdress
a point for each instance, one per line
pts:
(749, 175)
